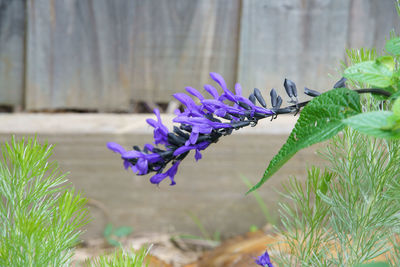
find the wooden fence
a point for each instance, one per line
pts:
(106, 55)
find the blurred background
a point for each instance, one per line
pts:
(80, 73)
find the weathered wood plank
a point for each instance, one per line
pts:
(177, 44)
(305, 40)
(299, 40)
(103, 54)
(12, 32)
(76, 53)
(370, 22)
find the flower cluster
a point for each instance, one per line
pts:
(202, 123)
(264, 260)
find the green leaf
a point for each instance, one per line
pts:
(388, 61)
(373, 73)
(396, 108)
(123, 231)
(372, 123)
(108, 230)
(319, 120)
(393, 46)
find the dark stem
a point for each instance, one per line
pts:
(360, 91)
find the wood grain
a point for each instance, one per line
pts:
(299, 40)
(104, 54)
(12, 31)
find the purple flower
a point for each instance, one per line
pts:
(199, 125)
(264, 260)
(156, 179)
(119, 149)
(198, 147)
(160, 130)
(142, 160)
(227, 93)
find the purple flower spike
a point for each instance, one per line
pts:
(264, 260)
(200, 125)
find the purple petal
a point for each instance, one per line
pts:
(156, 179)
(115, 147)
(218, 78)
(127, 164)
(264, 260)
(203, 145)
(193, 136)
(185, 100)
(149, 147)
(182, 150)
(211, 90)
(152, 158)
(227, 93)
(172, 172)
(194, 92)
(131, 154)
(197, 156)
(157, 112)
(238, 89)
(142, 166)
(220, 112)
(152, 122)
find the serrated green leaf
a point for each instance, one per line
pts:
(393, 46)
(373, 73)
(319, 120)
(372, 123)
(123, 231)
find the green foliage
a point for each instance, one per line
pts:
(393, 46)
(304, 223)
(39, 213)
(121, 258)
(111, 234)
(319, 120)
(372, 123)
(375, 73)
(347, 214)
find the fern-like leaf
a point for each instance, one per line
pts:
(319, 120)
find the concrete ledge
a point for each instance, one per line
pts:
(114, 124)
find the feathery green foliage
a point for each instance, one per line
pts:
(40, 213)
(348, 214)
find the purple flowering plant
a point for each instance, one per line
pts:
(206, 120)
(201, 124)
